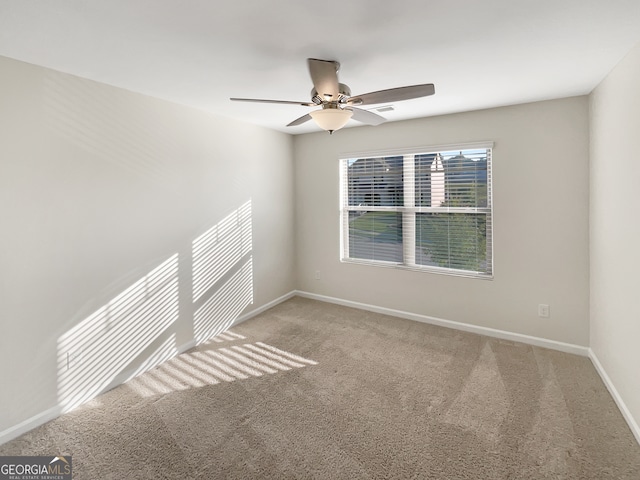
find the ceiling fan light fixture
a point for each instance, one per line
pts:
(331, 119)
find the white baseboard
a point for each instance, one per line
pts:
(633, 425)
(490, 332)
(517, 337)
(265, 307)
(29, 424)
(55, 411)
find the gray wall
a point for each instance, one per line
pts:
(99, 187)
(541, 254)
(614, 227)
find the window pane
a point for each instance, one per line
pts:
(375, 236)
(438, 209)
(452, 240)
(429, 173)
(452, 179)
(375, 182)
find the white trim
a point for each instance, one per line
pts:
(416, 150)
(633, 426)
(418, 268)
(409, 210)
(55, 411)
(265, 307)
(30, 423)
(490, 332)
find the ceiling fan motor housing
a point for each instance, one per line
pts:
(344, 92)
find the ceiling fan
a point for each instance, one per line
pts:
(338, 105)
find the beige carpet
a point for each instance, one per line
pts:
(313, 390)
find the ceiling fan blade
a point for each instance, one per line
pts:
(324, 74)
(365, 116)
(288, 102)
(393, 95)
(300, 121)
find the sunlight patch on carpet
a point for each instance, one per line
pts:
(197, 369)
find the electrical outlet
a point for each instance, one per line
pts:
(543, 310)
(317, 274)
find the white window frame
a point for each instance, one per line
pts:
(409, 209)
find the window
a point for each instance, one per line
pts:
(429, 210)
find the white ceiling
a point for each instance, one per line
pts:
(478, 53)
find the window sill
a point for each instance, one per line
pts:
(435, 270)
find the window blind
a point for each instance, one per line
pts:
(429, 210)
